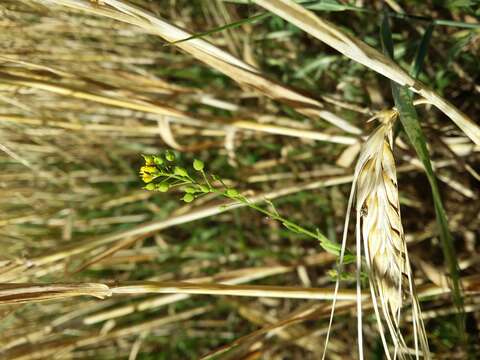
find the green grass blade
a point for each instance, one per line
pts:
(330, 5)
(459, 24)
(232, 25)
(386, 36)
(334, 5)
(411, 125)
(409, 119)
(421, 52)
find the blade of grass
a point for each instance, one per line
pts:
(330, 5)
(249, 20)
(333, 5)
(409, 119)
(421, 52)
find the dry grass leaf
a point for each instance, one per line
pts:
(22, 293)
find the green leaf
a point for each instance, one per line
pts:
(411, 125)
(421, 52)
(328, 5)
(331, 247)
(292, 227)
(386, 36)
(333, 5)
(459, 3)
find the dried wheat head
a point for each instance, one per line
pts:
(380, 230)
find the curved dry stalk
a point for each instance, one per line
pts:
(15, 293)
(362, 53)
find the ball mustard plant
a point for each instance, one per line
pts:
(161, 173)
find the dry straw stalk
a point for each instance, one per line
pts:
(23, 293)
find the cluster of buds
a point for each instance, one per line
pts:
(161, 174)
(154, 167)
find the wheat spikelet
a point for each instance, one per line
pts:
(379, 225)
(380, 228)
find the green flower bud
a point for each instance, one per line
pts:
(180, 171)
(188, 198)
(163, 187)
(198, 165)
(169, 156)
(190, 190)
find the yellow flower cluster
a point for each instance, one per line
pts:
(148, 173)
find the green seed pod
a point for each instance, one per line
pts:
(204, 188)
(169, 156)
(188, 198)
(190, 190)
(231, 192)
(158, 160)
(163, 187)
(198, 165)
(150, 186)
(180, 171)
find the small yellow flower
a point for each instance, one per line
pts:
(149, 159)
(146, 177)
(148, 169)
